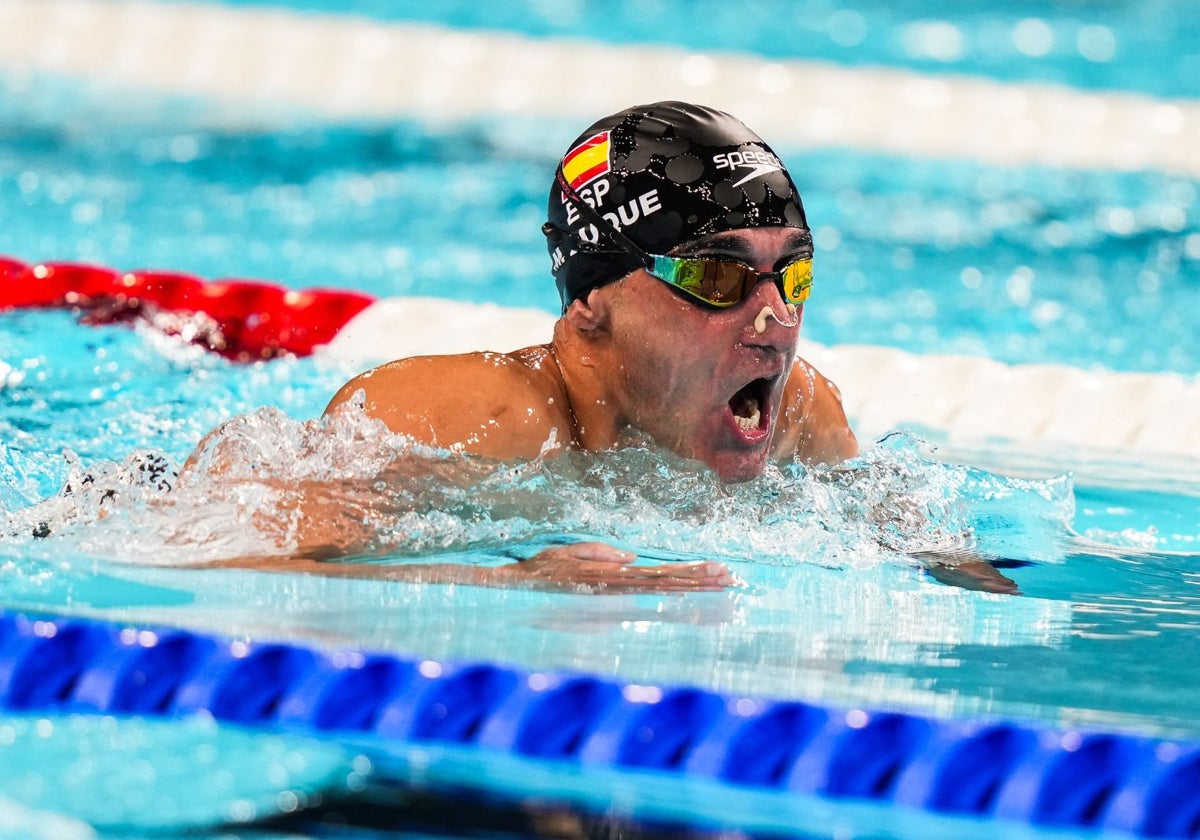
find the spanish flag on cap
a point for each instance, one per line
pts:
(587, 161)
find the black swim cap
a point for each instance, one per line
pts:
(662, 175)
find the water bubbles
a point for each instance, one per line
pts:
(857, 718)
(359, 190)
(939, 40)
(429, 669)
(241, 811)
(287, 801)
(240, 500)
(28, 182)
(1191, 246)
(1019, 286)
(1033, 37)
(921, 304)
(847, 28)
(1057, 233)
(183, 148)
(1149, 282)
(642, 693)
(1117, 220)
(1096, 43)
(1047, 312)
(827, 238)
(1180, 192)
(855, 281)
(1172, 219)
(61, 190)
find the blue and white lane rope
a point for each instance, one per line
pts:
(1015, 771)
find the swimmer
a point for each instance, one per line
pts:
(683, 259)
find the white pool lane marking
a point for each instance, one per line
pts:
(968, 401)
(337, 66)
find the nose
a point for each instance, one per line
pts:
(774, 319)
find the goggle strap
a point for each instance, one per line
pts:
(591, 215)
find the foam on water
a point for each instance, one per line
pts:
(398, 499)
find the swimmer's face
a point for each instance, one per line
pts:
(704, 382)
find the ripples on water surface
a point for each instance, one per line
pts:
(832, 608)
(1039, 264)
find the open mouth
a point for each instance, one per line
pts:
(749, 405)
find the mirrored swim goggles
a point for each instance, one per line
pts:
(711, 281)
(725, 282)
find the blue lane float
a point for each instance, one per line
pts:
(1005, 770)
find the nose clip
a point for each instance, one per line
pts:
(760, 322)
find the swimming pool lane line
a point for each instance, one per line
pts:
(1006, 770)
(342, 67)
(968, 400)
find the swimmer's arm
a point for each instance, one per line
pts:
(813, 424)
(489, 404)
(581, 567)
(319, 522)
(326, 522)
(966, 570)
(958, 566)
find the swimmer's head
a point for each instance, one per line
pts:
(660, 175)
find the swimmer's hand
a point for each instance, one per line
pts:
(602, 569)
(967, 571)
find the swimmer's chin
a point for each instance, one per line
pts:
(739, 469)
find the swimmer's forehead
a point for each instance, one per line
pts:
(739, 245)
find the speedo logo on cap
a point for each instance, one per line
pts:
(758, 163)
(587, 161)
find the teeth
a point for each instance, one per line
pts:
(751, 421)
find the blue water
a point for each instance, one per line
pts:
(1033, 264)
(1088, 268)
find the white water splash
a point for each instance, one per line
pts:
(381, 494)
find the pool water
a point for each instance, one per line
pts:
(936, 256)
(1037, 264)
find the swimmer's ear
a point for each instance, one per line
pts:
(589, 315)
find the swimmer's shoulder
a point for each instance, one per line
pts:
(502, 405)
(812, 419)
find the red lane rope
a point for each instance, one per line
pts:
(244, 320)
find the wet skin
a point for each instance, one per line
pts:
(674, 367)
(635, 357)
